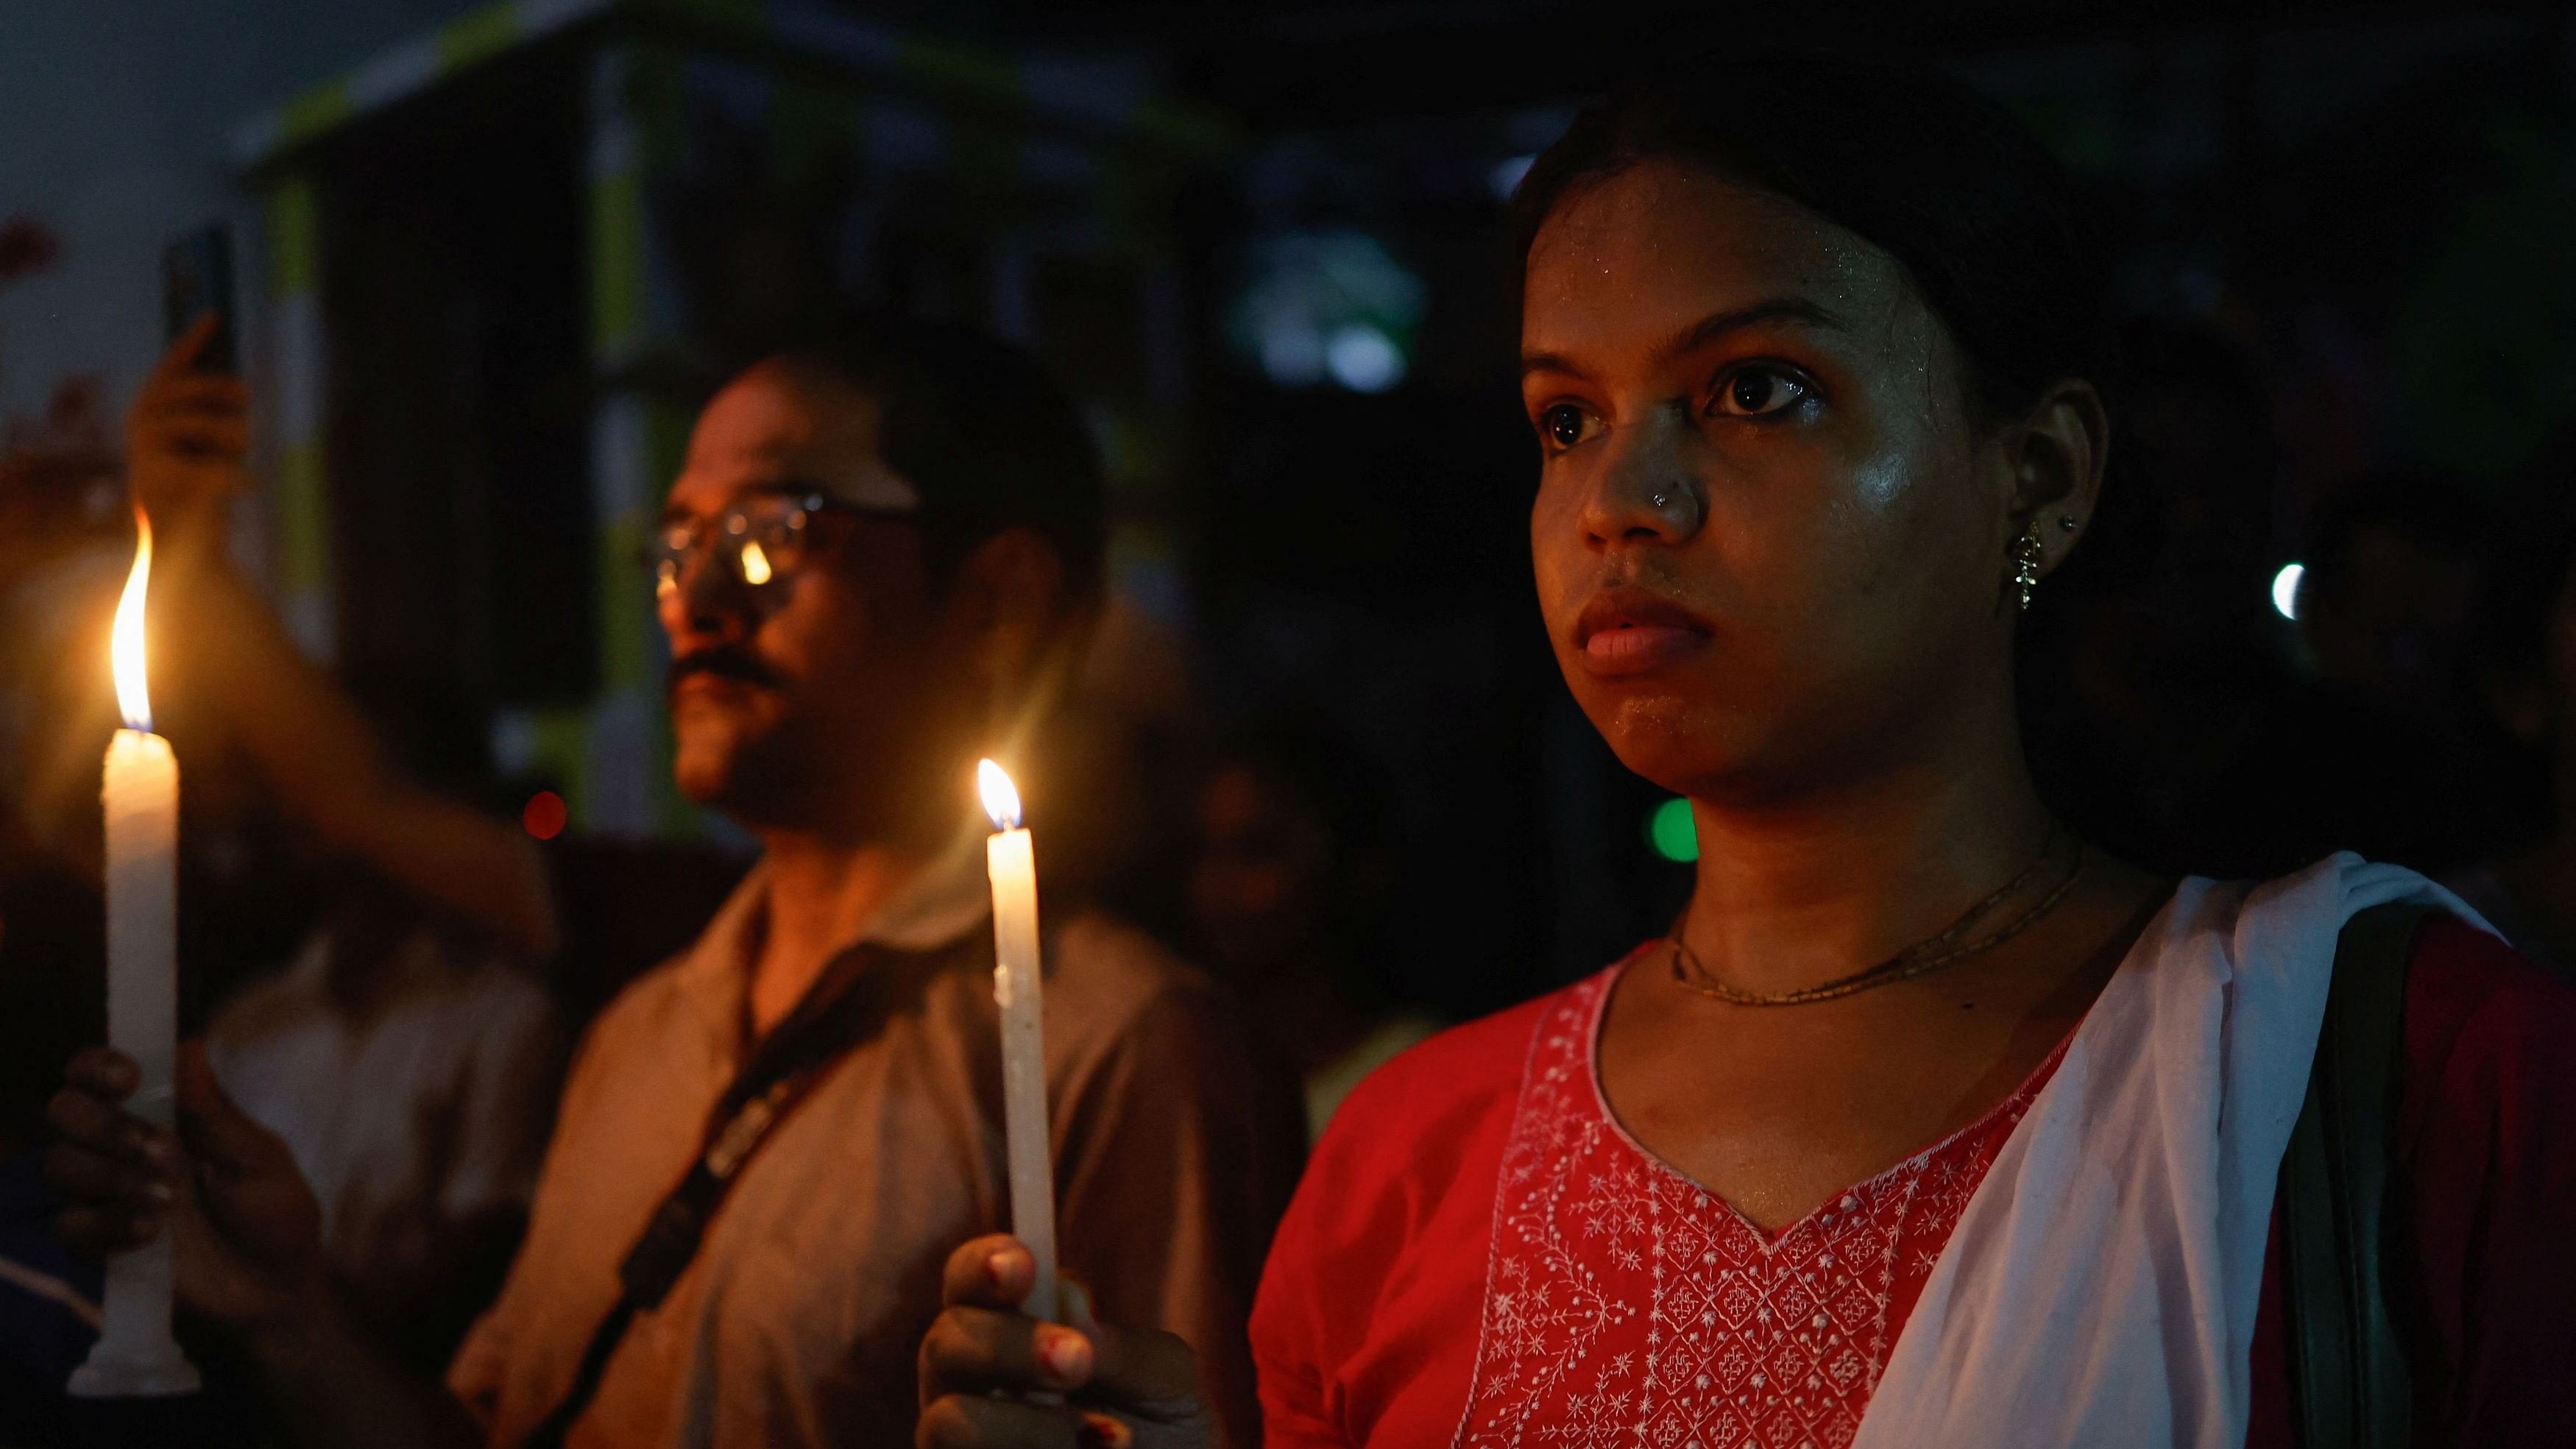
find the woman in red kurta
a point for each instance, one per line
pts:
(1929, 1125)
(1388, 1249)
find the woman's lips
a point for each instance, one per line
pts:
(1628, 630)
(1638, 648)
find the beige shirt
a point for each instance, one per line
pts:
(412, 1121)
(799, 1319)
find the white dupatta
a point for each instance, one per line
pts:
(2101, 1285)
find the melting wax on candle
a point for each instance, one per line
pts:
(1017, 990)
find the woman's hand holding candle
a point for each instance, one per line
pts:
(1122, 1387)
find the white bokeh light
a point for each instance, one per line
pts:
(2285, 589)
(1364, 359)
(1328, 306)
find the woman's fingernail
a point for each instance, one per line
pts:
(1066, 1354)
(158, 1191)
(1099, 1431)
(997, 1266)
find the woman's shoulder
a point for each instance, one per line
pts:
(2485, 1027)
(1420, 1128)
(1397, 1197)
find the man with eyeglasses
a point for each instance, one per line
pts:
(876, 564)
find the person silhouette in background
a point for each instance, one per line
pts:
(2522, 672)
(2370, 750)
(409, 1059)
(1288, 886)
(2397, 562)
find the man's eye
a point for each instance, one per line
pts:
(1564, 425)
(1760, 392)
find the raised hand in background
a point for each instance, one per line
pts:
(186, 437)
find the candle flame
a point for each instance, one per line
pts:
(755, 564)
(125, 640)
(1001, 798)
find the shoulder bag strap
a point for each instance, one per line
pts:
(842, 1008)
(2349, 1380)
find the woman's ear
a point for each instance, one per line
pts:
(2056, 454)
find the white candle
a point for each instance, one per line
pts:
(135, 1353)
(1016, 989)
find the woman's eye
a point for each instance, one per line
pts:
(1564, 425)
(1760, 392)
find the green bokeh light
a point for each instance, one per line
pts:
(1670, 832)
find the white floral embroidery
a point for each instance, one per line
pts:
(1626, 1305)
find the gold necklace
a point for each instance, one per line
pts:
(1920, 959)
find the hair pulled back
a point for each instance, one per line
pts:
(1991, 232)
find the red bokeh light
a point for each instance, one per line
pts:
(544, 815)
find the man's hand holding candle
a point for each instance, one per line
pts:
(246, 1248)
(246, 1229)
(984, 1361)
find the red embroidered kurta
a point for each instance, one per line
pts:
(1623, 1298)
(1480, 1255)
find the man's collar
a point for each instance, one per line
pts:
(948, 899)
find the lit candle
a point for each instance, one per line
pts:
(135, 1353)
(1016, 990)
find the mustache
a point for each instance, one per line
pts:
(723, 660)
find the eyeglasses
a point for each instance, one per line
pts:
(762, 540)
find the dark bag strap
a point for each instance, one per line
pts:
(844, 1005)
(2349, 1381)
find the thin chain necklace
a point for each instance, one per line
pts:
(1920, 959)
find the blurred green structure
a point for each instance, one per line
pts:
(504, 261)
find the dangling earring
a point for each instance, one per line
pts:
(2027, 553)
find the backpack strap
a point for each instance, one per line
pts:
(2349, 1380)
